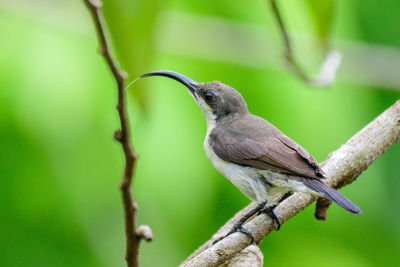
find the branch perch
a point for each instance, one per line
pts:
(328, 68)
(250, 256)
(342, 167)
(133, 237)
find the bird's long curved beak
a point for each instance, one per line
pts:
(189, 83)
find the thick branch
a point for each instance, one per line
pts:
(250, 256)
(123, 136)
(341, 167)
(328, 68)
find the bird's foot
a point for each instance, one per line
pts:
(271, 210)
(271, 213)
(237, 228)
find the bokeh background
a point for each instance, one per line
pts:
(60, 167)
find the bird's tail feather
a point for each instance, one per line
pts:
(331, 194)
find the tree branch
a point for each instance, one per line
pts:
(342, 167)
(133, 237)
(328, 68)
(321, 208)
(250, 256)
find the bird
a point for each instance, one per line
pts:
(254, 155)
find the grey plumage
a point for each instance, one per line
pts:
(331, 194)
(263, 147)
(266, 148)
(252, 153)
(248, 140)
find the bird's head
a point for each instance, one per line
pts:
(216, 100)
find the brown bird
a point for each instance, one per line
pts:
(253, 154)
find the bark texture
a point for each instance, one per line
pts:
(250, 256)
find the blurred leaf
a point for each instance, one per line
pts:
(131, 26)
(322, 12)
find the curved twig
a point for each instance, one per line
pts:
(327, 71)
(133, 237)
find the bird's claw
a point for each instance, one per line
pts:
(270, 211)
(237, 228)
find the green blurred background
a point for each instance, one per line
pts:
(60, 168)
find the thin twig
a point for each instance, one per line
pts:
(321, 208)
(123, 136)
(341, 167)
(328, 68)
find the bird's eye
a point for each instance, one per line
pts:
(209, 97)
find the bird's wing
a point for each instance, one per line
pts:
(274, 152)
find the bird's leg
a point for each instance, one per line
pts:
(270, 210)
(238, 225)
